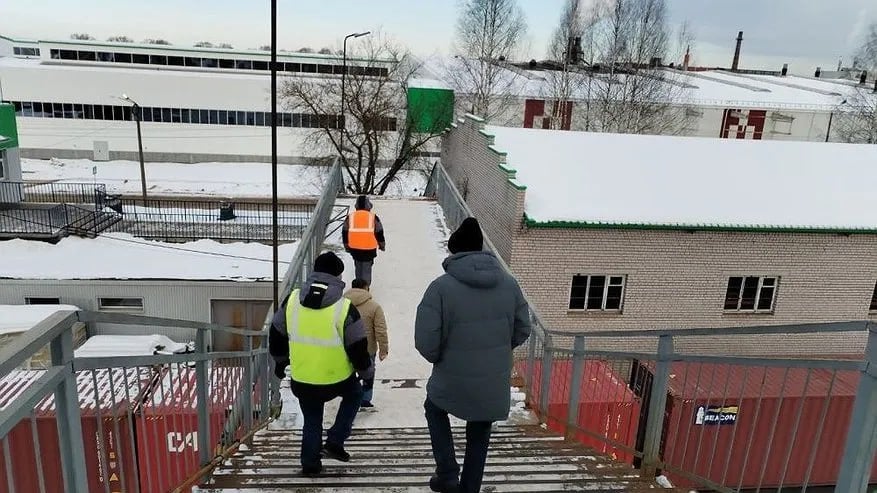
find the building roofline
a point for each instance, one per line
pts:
(729, 228)
(187, 49)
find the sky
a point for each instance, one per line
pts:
(803, 33)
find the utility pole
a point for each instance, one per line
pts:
(276, 259)
(136, 111)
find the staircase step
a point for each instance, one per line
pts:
(522, 459)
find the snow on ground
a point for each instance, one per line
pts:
(416, 246)
(99, 346)
(21, 318)
(643, 179)
(122, 256)
(215, 180)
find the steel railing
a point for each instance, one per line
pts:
(683, 402)
(190, 220)
(54, 193)
(150, 423)
(122, 423)
(309, 247)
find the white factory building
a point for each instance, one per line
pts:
(198, 104)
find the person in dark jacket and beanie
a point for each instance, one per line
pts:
(363, 235)
(468, 323)
(321, 336)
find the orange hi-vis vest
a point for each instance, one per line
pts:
(361, 231)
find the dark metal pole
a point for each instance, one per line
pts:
(343, 93)
(274, 151)
(828, 132)
(136, 109)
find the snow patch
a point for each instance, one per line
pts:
(122, 256)
(21, 318)
(99, 346)
(211, 179)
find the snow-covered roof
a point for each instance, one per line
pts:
(659, 181)
(113, 345)
(21, 318)
(706, 88)
(122, 256)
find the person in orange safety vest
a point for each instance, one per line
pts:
(363, 235)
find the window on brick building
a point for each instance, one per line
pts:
(750, 294)
(596, 292)
(874, 299)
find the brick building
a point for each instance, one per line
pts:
(613, 232)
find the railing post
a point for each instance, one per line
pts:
(248, 385)
(575, 394)
(68, 417)
(544, 386)
(861, 445)
(531, 365)
(201, 388)
(265, 374)
(657, 407)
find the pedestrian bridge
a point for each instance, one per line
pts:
(608, 420)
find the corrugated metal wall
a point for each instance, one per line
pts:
(184, 300)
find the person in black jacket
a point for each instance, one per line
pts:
(305, 334)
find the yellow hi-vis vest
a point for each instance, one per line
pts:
(316, 342)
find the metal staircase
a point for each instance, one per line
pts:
(522, 458)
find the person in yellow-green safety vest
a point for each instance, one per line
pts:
(320, 335)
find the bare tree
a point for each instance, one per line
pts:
(265, 48)
(633, 94)
(686, 42)
(120, 39)
(571, 26)
(226, 46)
(856, 117)
(82, 37)
(305, 49)
(489, 32)
(866, 57)
(203, 44)
(380, 137)
(159, 41)
(326, 51)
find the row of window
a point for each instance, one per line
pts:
(179, 115)
(21, 51)
(133, 305)
(593, 293)
(222, 63)
(755, 294)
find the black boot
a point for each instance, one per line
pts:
(435, 484)
(337, 452)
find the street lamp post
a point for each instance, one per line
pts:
(343, 79)
(135, 110)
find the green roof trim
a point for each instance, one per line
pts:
(730, 228)
(8, 127)
(497, 151)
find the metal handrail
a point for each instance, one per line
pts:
(545, 350)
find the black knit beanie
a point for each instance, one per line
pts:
(467, 238)
(329, 263)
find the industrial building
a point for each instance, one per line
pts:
(198, 104)
(677, 232)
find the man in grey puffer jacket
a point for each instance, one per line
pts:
(468, 323)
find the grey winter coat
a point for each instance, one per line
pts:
(468, 323)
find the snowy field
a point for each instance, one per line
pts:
(416, 246)
(214, 180)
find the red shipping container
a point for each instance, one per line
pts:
(167, 431)
(109, 450)
(607, 406)
(736, 425)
